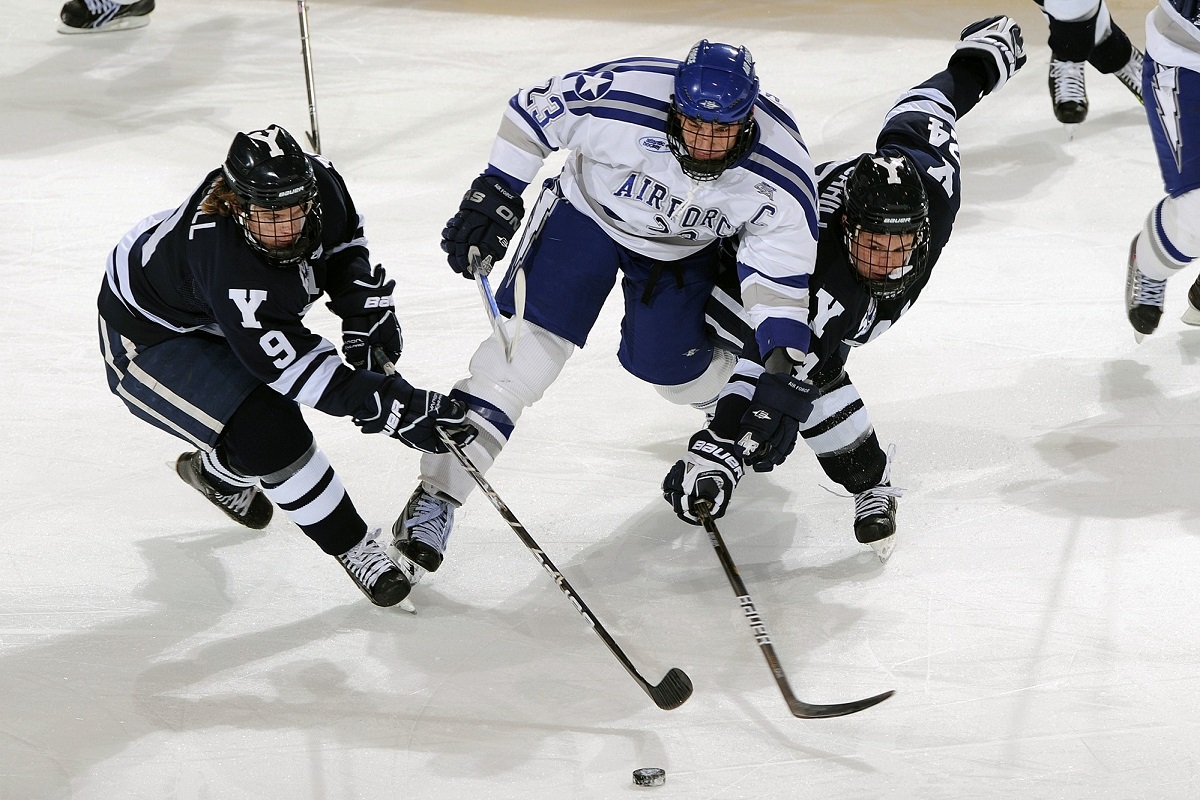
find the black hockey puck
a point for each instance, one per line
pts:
(649, 776)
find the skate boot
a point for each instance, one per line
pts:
(875, 518)
(374, 573)
(421, 534)
(1192, 315)
(246, 505)
(1143, 297)
(1131, 74)
(97, 16)
(1067, 91)
(875, 512)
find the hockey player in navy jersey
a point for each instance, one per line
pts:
(202, 332)
(665, 159)
(1083, 32)
(1170, 238)
(885, 217)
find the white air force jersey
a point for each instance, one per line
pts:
(621, 173)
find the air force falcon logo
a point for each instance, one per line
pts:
(593, 85)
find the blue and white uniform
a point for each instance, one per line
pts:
(622, 207)
(1170, 239)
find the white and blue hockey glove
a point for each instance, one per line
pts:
(413, 416)
(710, 471)
(998, 42)
(478, 236)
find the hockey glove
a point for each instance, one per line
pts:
(478, 236)
(413, 415)
(998, 42)
(710, 471)
(368, 338)
(771, 424)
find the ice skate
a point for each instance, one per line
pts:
(421, 533)
(101, 16)
(1192, 315)
(247, 506)
(374, 573)
(1131, 74)
(1068, 91)
(1143, 297)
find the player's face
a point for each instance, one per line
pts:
(877, 255)
(707, 141)
(277, 228)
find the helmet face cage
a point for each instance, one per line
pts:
(279, 210)
(716, 85)
(886, 225)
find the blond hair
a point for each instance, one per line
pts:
(220, 200)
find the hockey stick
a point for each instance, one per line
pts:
(489, 298)
(518, 312)
(314, 136)
(798, 707)
(673, 690)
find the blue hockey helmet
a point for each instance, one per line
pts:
(268, 169)
(886, 198)
(715, 85)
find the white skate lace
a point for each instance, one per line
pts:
(429, 522)
(99, 7)
(1147, 291)
(366, 561)
(239, 502)
(1131, 73)
(875, 501)
(1068, 82)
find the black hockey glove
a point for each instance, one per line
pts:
(367, 339)
(478, 236)
(998, 42)
(368, 321)
(770, 425)
(710, 471)
(412, 415)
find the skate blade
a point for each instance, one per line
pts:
(407, 605)
(1139, 337)
(884, 547)
(1191, 316)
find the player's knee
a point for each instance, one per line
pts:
(266, 434)
(706, 386)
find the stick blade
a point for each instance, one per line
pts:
(672, 691)
(810, 711)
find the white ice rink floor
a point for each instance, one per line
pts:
(1037, 621)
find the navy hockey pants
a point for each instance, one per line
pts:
(570, 267)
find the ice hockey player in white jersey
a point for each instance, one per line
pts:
(885, 217)
(665, 158)
(1170, 238)
(1084, 32)
(202, 332)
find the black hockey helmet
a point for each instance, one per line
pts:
(1188, 9)
(716, 84)
(885, 195)
(267, 169)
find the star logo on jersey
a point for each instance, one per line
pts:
(593, 86)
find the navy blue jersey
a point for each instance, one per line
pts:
(842, 313)
(183, 272)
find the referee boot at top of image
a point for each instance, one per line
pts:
(102, 16)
